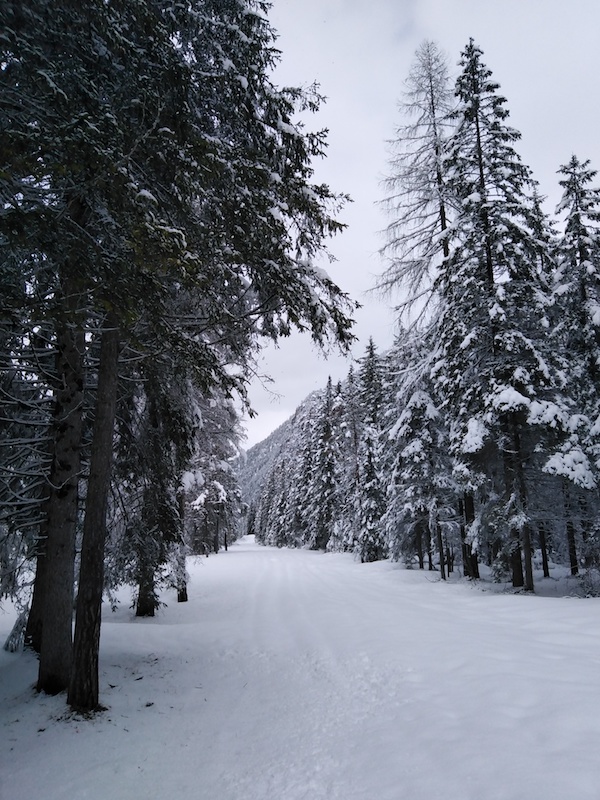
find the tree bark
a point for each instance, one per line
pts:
(83, 690)
(54, 626)
(419, 545)
(571, 540)
(515, 485)
(466, 509)
(573, 561)
(33, 630)
(440, 546)
(145, 605)
(544, 550)
(182, 594)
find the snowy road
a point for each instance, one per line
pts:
(294, 675)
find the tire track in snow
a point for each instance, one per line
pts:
(318, 696)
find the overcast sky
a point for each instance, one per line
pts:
(545, 54)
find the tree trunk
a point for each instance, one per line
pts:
(544, 550)
(145, 605)
(419, 545)
(83, 689)
(216, 535)
(515, 487)
(33, 631)
(450, 558)
(466, 509)
(516, 562)
(574, 564)
(182, 595)
(528, 558)
(573, 561)
(440, 546)
(56, 595)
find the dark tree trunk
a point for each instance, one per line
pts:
(83, 689)
(216, 536)
(571, 541)
(528, 558)
(514, 477)
(55, 596)
(466, 510)
(419, 545)
(440, 547)
(572, 547)
(33, 631)
(145, 605)
(182, 594)
(516, 562)
(585, 525)
(544, 550)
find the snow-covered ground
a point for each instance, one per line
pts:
(295, 675)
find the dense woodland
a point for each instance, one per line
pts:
(158, 219)
(475, 439)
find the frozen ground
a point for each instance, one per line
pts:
(295, 675)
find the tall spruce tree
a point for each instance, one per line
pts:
(323, 485)
(577, 287)
(370, 542)
(495, 376)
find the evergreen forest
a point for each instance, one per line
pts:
(160, 220)
(474, 440)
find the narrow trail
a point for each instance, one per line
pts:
(295, 675)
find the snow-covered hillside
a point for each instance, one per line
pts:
(254, 466)
(300, 675)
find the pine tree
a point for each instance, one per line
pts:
(370, 537)
(350, 427)
(577, 287)
(495, 376)
(141, 163)
(323, 494)
(420, 491)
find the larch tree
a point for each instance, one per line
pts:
(417, 199)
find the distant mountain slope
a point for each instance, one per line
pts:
(255, 464)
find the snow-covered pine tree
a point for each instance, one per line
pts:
(495, 374)
(323, 496)
(371, 542)
(577, 332)
(370, 538)
(350, 433)
(151, 153)
(420, 491)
